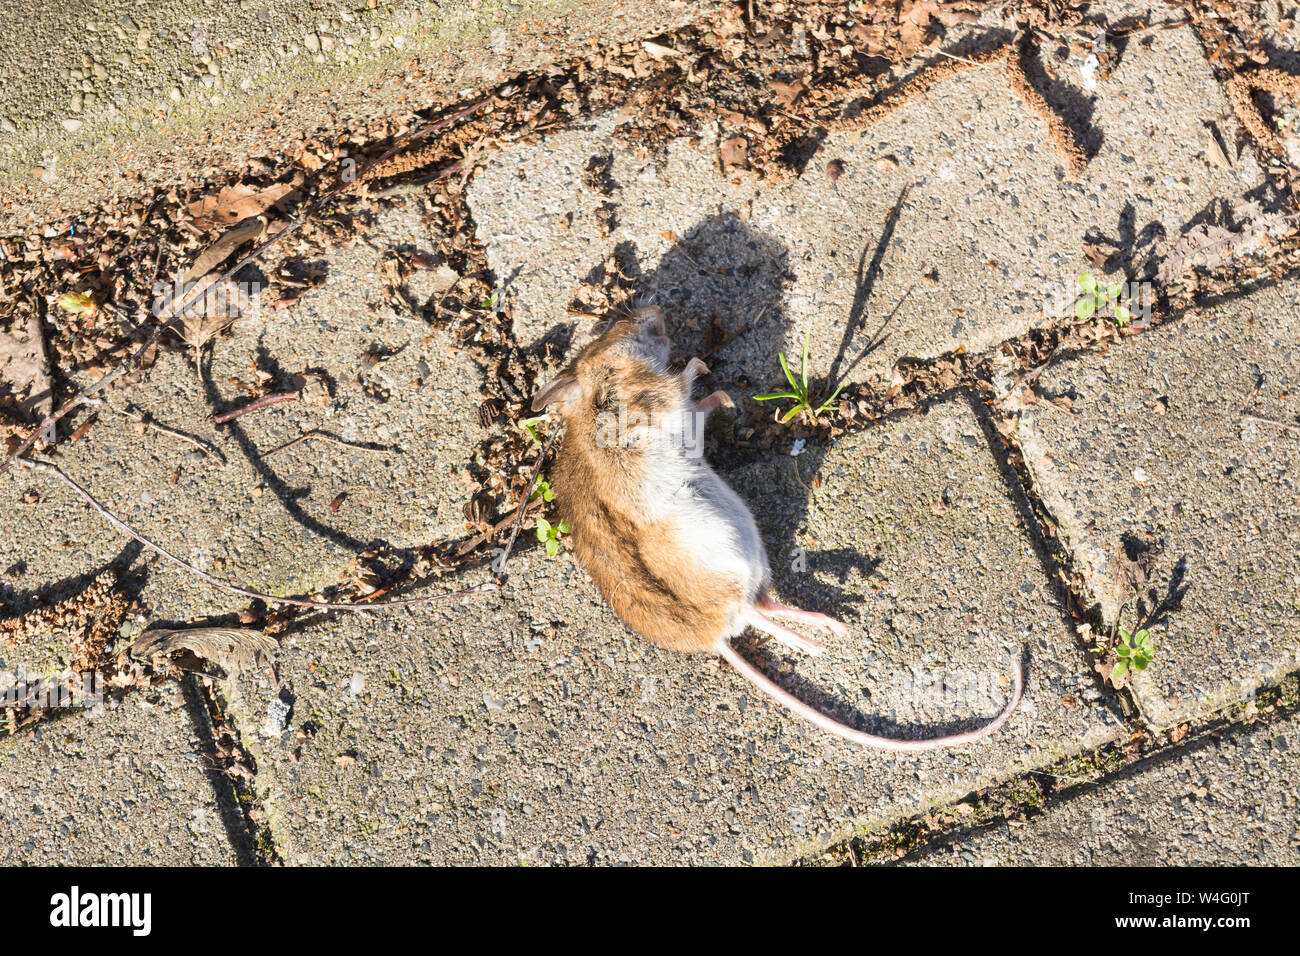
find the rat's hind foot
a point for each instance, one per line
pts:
(718, 399)
(791, 639)
(768, 607)
(694, 368)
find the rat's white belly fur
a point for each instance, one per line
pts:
(714, 526)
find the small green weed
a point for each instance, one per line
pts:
(530, 425)
(799, 388)
(1135, 651)
(549, 535)
(542, 490)
(1095, 297)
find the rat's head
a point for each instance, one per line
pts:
(628, 350)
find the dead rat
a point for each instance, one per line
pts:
(671, 547)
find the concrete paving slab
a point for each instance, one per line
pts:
(127, 788)
(1183, 456)
(96, 94)
(983, 199)
(1222, 801)
(530, 726)
(267, 523)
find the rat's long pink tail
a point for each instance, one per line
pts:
(809, 713)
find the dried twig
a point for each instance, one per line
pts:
(144, 418)
(794, 464)
(326, 436)
(131, 362)
(500, 566)
(501, 525)
(36, 335)
(52, 469)
(954, 56)
(256, 405)
(1265, 420)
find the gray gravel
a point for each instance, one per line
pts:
(127, 788)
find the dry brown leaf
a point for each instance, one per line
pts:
(1211, 246)
(914, 26)
(658, 50)
(735, 152)
(444, 278)
(23, 366)
(1095, 254)
(871, 40)
(1216, 151)
(231, 648)
(236, 203)
(217, 253)
(207, 319)
(787, 93)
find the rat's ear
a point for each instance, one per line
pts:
(562, 389)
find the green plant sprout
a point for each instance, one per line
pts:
(799, 388)
(530, 425)
(542, 490)
(1135, 651)
(549, 535)
(1095, 297)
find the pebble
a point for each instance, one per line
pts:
(277, 713)
(72, 125)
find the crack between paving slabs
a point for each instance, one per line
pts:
(1037, 792)
(232, 773)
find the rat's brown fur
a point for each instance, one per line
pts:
(639, 567)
